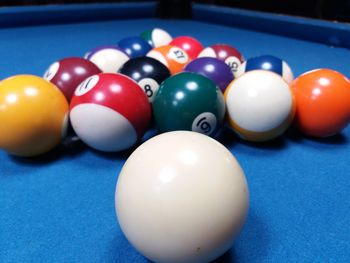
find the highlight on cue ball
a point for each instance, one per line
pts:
(189, 206)
(260, 105)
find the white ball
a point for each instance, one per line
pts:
(181, 197)
(102, 128)
(160, 37)
(109, 60)
(260, 105)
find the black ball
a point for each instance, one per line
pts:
(149, 73)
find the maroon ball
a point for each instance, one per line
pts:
(68, 73)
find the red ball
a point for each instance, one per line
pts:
(191, 45)
(322, 102)
(68, 73)
(110, 112)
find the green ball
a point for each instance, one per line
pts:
(147, 35)
(189, 101)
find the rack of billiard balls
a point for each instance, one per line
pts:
(110, 98)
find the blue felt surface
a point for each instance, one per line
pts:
(60, 207)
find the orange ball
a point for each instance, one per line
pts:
(33, 115)
(322, 102)
(174, 58)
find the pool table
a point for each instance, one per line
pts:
(60, 207)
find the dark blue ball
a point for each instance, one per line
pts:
(134, 46)
(265, 62)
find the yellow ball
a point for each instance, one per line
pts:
(33, 115)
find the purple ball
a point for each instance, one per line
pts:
(216, 70)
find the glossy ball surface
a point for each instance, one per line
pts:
(134, 46)
(230, 55)
(191, 45)
(109, 112)
(216, 70)
(260, 105)
(108, 58)
(149, 73)
(174, 58)
(33, 114)
(322, 102)
(267, 62)
(68, 73)
(189, 101)
(189, 205)
(156, 37)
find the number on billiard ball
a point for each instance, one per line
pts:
(189, 101)
(110, 112)
(149, 73)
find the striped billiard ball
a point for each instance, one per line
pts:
(260, 105)
(269, 63)
(109, 112)
(108, 58)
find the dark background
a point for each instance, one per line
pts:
(338, 10)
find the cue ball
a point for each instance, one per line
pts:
(260, 105)
(189, 205)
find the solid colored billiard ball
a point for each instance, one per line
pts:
(189, 205)
(191, 45)
(174, 58)
(267, 62)
(322, 102)
(260, 105)
(230, 55)
(147, 72)
(33, 114)
(212, 68)
(156, 37)
(109, 112)
(68, 73)
(108, 58)
(189, 101)
(134, 46)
